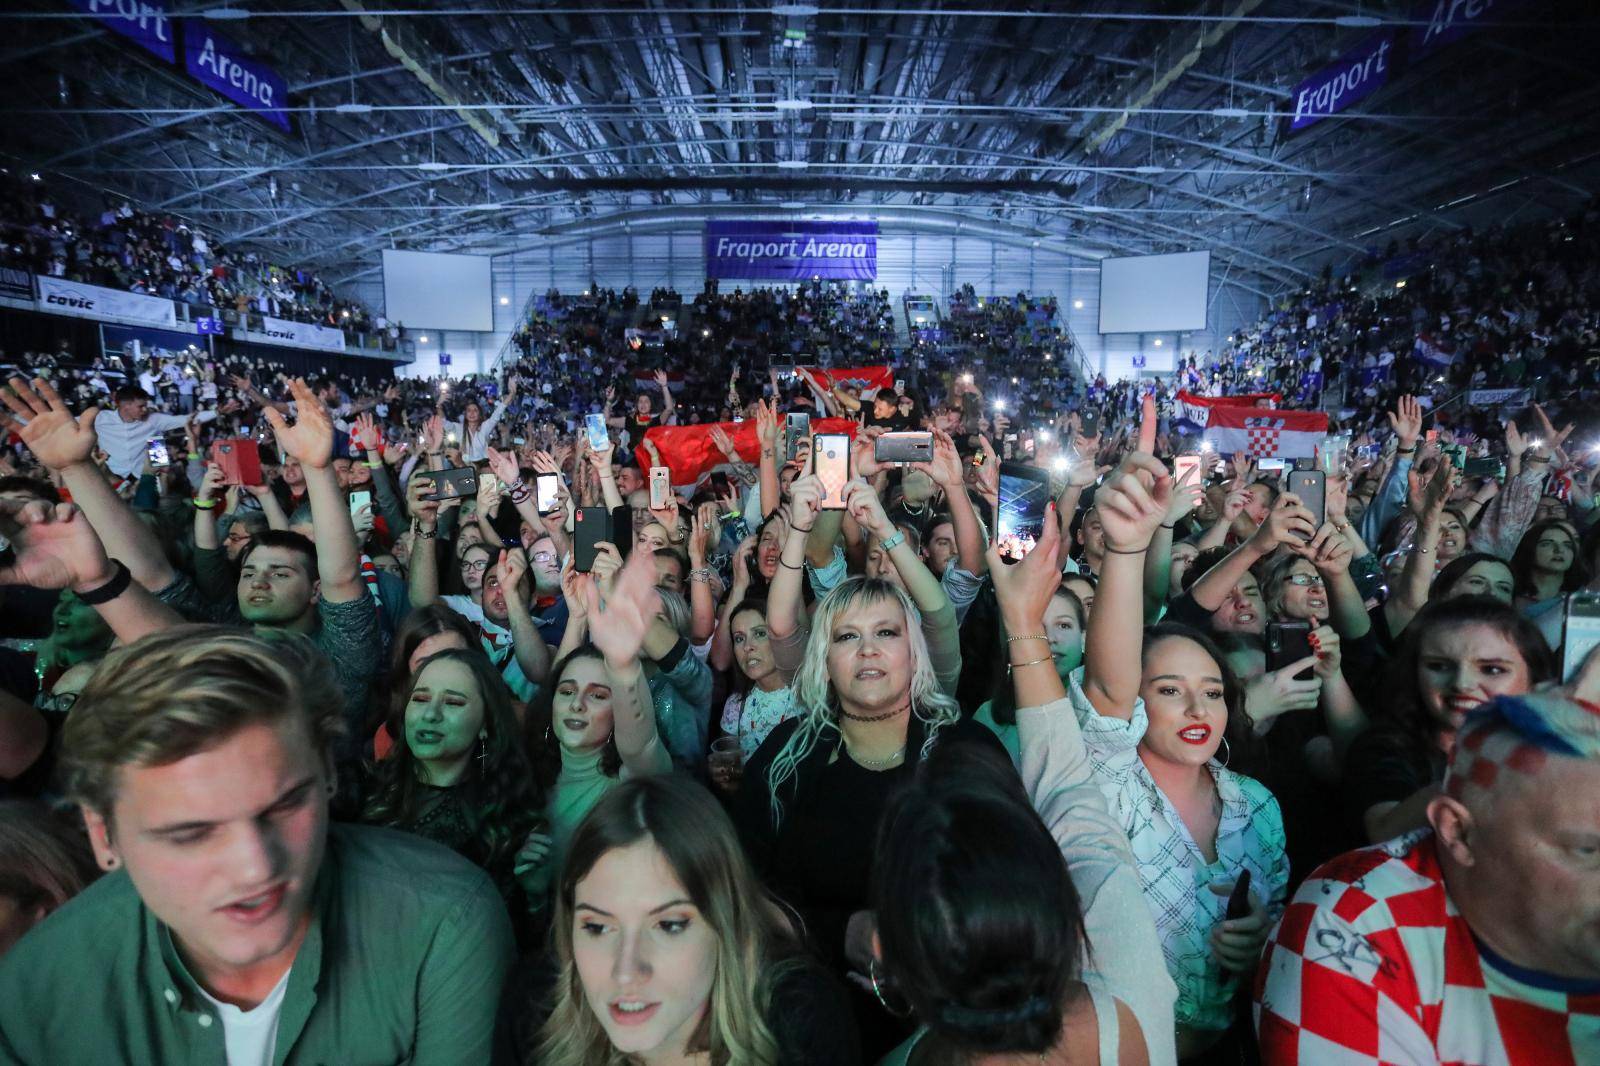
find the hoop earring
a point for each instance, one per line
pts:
(1227, 752)
(877, 990)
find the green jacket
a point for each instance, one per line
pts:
(403, 963)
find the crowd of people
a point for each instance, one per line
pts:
(456, 736)
(135, 250)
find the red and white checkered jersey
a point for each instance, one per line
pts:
(1372, 965)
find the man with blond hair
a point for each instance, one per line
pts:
(235, 924)
(1476, 941)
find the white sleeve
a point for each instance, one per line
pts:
(1124, 948)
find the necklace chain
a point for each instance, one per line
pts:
(876, 764)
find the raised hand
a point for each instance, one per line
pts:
(805, 501)
(310, 439)
(724, 443)
(607, 562)
(1288, 521)
(1406, 421)
(1277, 692)
(703, 534)
(504, 466)
(1329, 552)
(52, 434)
(212, 481)
(766, 424)
(862, 501)
(1516, 443)
(741, 568)
(510, 569)
(945, 468)
(619, 622)
(56, 547)
(424, 510)
(1024, 589)
(573, 584)
(1187, 493)
(364, 431)
(433, 434)
(1133, 502)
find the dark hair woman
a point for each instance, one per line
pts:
(1457, 653)
(981, 928)
(458, 775)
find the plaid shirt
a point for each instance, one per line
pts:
(1372, 965)
(1173, 872)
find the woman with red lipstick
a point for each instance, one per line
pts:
(1154, 727)
(1457, 653)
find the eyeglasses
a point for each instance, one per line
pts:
(1305, 581)
(544, 557)
(475, 564)
(57, 702)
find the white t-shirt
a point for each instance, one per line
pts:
(251, 1036)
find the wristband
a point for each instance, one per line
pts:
(111, 589)
(1124, 551)
(204, 505)
(889, 544)
(194, 455)
(789, 566)
(370, 465)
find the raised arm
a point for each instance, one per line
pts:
(56, 548)
(866, 508)
(533, 654)
(310, 440)
(669, 406)
(946, 472)
(205, 508)
(702, 604)
(722, 640)
(1287, 519)
(785, 597)
(767, 434)
(618, 627)
(65, 445)
(1132, 504)
(1411, 591)
(422, 577)
(1158, 559)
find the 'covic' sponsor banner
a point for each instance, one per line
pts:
(792, 251)
(1358, 74)
(147, 23)
(294, 335)
(218, 61)
(91, 301)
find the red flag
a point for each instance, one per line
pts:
(689, 453)
(868, 377)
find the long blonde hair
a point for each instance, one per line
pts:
(814, 691)
(754, 952)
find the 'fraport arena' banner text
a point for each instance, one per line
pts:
(792, 251)
(1358, 74)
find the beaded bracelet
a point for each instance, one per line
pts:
(1028, 636)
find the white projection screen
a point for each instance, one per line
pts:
(1154, 293)
(431, 290)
